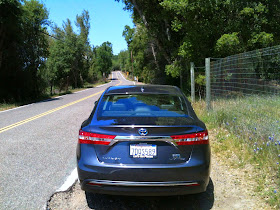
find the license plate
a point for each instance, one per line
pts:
(143, 150)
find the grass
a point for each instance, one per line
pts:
(5, 106)
(248, 135)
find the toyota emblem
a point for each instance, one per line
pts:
(142, 132)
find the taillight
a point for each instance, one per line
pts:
(192, 139)
(94, 138)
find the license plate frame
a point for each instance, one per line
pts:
(145, 151)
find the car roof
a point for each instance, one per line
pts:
(151, 89)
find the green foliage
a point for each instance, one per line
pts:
(35, 20)
(261, 40)
(11, 40)
(137, 59)
(23, 49)
(200, 80)
(71, 59)
(124, 60)
(128, 34)
(174, 69)
(103, 56)
(31, 61)
(228, 44)
(183, 31)
(115, 63)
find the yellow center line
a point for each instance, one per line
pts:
(47, 112)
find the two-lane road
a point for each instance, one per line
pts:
(38, 144)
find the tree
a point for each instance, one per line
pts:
(11, 62)
(124, 60)
(34, 50)
(23, 49)
(103, 56)
(83, 23)
(128, 34)
(70, 60)
(181, 31)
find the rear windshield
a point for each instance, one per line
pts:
(142, 105)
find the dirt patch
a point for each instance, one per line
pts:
(229, 188)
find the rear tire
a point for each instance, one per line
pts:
(90, 199)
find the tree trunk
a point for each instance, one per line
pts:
(155, 55)
(154, 37)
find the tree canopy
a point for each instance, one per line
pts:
(23, 48)
(34, 61)
(169, 34)
(103, 57)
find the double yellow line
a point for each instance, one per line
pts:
(47, 112)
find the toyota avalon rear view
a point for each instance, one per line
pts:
(143, 140)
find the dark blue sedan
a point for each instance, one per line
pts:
(143, 140)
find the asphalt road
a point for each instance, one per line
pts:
(38, 145)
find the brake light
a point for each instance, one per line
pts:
(94, 138)
(192, 139)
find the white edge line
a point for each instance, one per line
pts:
(103, 84)
(31, 104)
(123, 77)
(71, 179)
(83, 90)
(126, 79)
(15, 108)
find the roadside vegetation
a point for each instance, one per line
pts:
(247, 135)
(5, 106)
(169, 34)
(39, 59)
(37, 56)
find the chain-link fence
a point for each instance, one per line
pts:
(242, 94)
(250, 73)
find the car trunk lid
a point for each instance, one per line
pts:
(156, 144)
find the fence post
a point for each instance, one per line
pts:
(192, 83)
(208, 85)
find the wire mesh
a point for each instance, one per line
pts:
(252, 73)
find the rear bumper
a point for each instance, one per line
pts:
(148, 181)
(145, 179)
(142, 188)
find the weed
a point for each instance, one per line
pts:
(250, 128)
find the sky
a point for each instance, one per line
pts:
(107, 19)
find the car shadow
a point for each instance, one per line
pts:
(196, 201)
